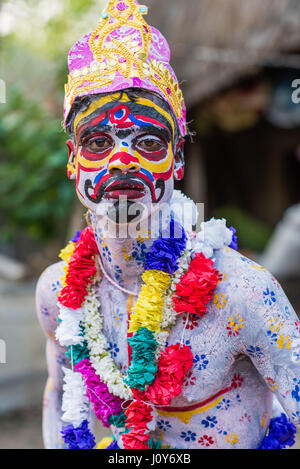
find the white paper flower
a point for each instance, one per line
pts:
(75, 404)
(184, 210)
(68, 331)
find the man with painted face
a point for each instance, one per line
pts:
(172, 339)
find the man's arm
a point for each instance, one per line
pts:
(271, 339)
(47, 311)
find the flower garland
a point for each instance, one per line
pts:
(281, 433)
(156, 373)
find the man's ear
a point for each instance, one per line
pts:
(71, 170)
(179, 161)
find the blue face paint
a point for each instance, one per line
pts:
(147, 173)
(99, 176)
(139, 122)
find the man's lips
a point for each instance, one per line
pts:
(129, 189)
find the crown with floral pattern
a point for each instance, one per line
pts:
(123, 52)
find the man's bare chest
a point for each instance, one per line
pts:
(214, 356)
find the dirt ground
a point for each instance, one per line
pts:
(23, 430)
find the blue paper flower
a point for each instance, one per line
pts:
(281, 434)
(76, 237)
(113, 445)
(165, 253)
(78, 438)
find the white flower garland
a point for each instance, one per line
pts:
(75, 404)
(68, 331)
(98, 346)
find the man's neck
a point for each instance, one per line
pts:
(123, 258)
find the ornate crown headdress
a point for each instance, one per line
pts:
(123, 52)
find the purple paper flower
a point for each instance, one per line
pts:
(234, 243)
(113, 445)
(104, 404)
(76, 237)
(78, 438)
(164, 253)
(281, 434)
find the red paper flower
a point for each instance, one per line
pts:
(195, 289)
(136, 440)
(174, 364)
(81, 270)
(138, 415)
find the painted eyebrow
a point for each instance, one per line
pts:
(91, 130)
(151, 129)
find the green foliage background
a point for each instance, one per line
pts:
(35, 196)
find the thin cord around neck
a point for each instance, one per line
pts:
(113, 282)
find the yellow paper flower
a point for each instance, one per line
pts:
(66, 254)
(104, 443)
(147, 311)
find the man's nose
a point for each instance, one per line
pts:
(123, 163)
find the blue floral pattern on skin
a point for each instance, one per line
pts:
(296, 390)
(188, 436)
(245, 259)
(118, 273)
(56, 286)
(62, 360)
(269, 297)
(186, 342)
(209, 422)
(114, 350)
(139, 252)
(296, 356)
(106, 253)
(200, 362)
(287, 312)
(273, 336)
(221, 431)
(45, 311)
(224, 404)
(255, 352)
(163, 425)
(296, 417)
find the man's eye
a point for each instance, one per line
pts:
(99, 144)
(150, 145)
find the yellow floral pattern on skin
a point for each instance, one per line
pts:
(232, 438)
(257, 267)
(272, 384)
(220, 300)
(264, 419)
(276, 324)
(235, 324)
(284, 342)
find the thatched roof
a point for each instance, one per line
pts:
(214, 42)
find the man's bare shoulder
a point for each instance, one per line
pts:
(240, 271)
(47, 289)
(248, 286)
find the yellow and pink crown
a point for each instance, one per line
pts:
(123, 52)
